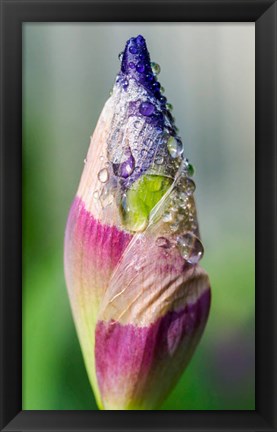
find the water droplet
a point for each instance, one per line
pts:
(133, 49)
(162, 90)
(189, 186)
(190, 169)
(85, 161)
(126, 168)
(169, 106)
(103, 175)
(137, 124)
(146, 108)
(163, 242)
(106, 197)
(124, 204)
(159, 160)
(120, 56)
(174, 227)
(167, 217)
(175, 147)
(156, 69)
(156, 85)
(125, 84)
(180, 216)
(143, 153)
(183, 203)
(190, 247)
(140, 67)
(181, 195)
(140, 40)
(174, 209)
(96, 194)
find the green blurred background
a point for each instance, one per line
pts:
(207, 70)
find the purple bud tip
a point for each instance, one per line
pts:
(136, 64)
(149, 106)
(135, 53)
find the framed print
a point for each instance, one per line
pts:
(137, 218)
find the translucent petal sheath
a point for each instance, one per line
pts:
(139, 298)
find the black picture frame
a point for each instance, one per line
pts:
(13, 15)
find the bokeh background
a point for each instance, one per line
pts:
(207, 70)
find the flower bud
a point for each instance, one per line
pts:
(139, 298)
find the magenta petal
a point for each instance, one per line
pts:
(138, 366)
(92, 251)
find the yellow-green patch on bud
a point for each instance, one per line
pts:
(142, 197)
